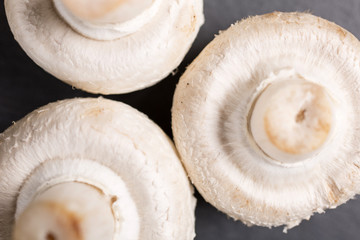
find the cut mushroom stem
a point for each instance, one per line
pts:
(67, 211)
(107, 19)
(290, 120)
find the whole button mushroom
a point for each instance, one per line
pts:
(106, 46)
(265, 119)
(92, 169)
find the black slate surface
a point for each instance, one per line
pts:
(24, 87)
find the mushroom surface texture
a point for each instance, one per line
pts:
(265, 119)
(92, 169)
(106, 46)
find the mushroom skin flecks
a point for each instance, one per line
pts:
(88, 162)
(265, 119)
(110, 53)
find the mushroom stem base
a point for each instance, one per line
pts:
(67, 211)
(111, 23)
(292, 119)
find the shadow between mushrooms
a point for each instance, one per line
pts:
(265, 119)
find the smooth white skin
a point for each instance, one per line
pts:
(104, 144)
(109, 19)
(132, 62)
(210, 118)
(67, 211)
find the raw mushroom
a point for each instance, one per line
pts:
(92, 169)
(265, 119)
(106, 46)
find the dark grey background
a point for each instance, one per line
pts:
(24, 87)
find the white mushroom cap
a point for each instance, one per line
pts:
(124, 158)
(144, 48)
(265, 119)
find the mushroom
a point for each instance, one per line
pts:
(106, 46)
(265, 119)
(92, 169)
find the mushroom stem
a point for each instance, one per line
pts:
(67, 211)
(291, 120)
(107, 19)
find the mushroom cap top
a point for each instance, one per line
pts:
(211, 117)
(126, 64)
(102, 143)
